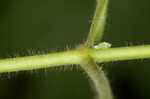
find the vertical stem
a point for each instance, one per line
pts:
(97, 26)
(98, 78)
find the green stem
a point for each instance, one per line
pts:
(122, 53)
(73, 57)
(98, 23)
(98, 78)
(39, 61)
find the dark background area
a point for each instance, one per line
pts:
(41, 26)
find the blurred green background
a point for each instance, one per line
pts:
(28, 27)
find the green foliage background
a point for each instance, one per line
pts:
(29, 26)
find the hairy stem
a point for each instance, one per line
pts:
(39, 61)
(98, 78)
(73, 57)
